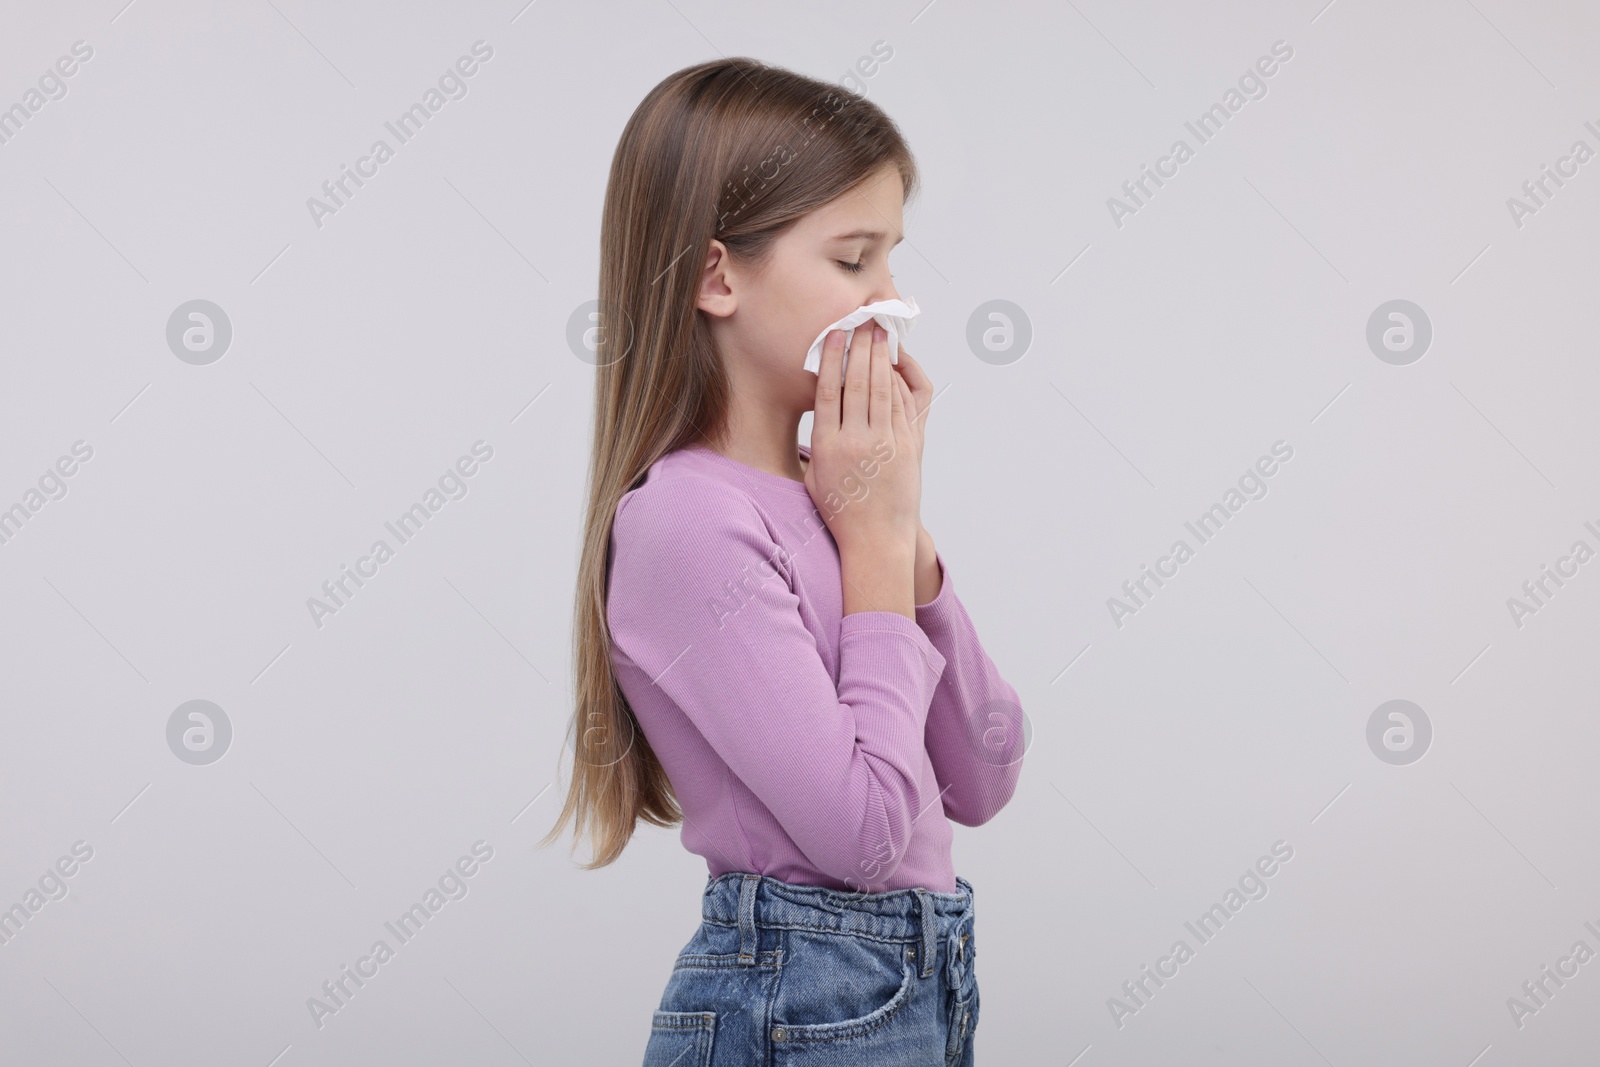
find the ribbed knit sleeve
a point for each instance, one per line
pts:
(974, 728)
(701, 601)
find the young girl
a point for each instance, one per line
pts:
(768, 646)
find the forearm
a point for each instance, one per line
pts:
(975, 733)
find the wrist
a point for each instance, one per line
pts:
(929, 577)
(905, 543)
(879, 576)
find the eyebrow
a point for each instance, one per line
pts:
(871, 235)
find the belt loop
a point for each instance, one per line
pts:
(748, 942)
(930, 929)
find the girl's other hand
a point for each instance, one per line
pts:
(918, 393)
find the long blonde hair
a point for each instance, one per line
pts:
(731, 149)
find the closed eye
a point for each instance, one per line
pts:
(853, 268)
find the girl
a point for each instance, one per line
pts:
(768, 646)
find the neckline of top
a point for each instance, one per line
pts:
(777, 481)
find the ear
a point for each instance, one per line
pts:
(716, 294)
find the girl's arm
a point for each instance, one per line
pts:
(974, 730)
(700, 602)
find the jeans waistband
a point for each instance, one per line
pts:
(751, 900)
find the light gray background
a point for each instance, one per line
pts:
(1168, 355)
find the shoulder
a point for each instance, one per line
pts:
(689, 519)
(678, 539)
(679, 496)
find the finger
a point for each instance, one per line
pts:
(900, 383)
(856, 408)
(917, 381)
(912, 370)
(902, 407)
(890, 405)
(826, 412)
(885, 397)
(907, 401)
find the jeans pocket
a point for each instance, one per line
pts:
(680, 1039)
(835, 987)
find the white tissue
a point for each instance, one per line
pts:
(895, 316)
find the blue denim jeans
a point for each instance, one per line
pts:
(785, 975)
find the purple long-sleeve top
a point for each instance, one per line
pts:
(802, 743)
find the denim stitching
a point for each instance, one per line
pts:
(850, 1030)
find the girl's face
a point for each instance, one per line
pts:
(828, 263)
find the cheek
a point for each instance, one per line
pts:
(811, 308)
(832, 303)
(813, 296)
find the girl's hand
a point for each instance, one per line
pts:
(918, 393)
(865, 474)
